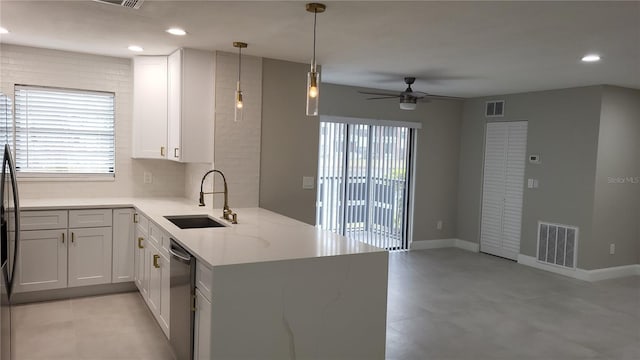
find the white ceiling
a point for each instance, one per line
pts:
(454, 48)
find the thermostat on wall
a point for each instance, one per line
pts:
(534, 159)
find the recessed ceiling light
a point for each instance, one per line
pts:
(135, 48)
(176, 31)
(3, 30)
(591, 58)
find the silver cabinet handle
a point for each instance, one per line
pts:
(175, 153)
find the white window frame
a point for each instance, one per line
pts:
(23, 176)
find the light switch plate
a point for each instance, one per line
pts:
(308, 182)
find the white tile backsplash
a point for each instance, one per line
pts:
(36, 66)
(236, 144)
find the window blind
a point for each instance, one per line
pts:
(64, 132)
(363, 182)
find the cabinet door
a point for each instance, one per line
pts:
(123, 246)
(141, 273)
(152, 260)
(42, 260)
(174, 104)
(197, 106)
(164, 315)
(202, 328)
(149, 107)
(90, 256)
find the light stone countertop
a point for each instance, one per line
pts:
(260, 235)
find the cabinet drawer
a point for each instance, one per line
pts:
(43, 220)
(142, 224)
(204, 280)
(90, 218)
(155, 235)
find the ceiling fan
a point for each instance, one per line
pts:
(408, 98)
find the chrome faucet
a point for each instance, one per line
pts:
(227, 214)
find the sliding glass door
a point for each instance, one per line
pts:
(363, 182)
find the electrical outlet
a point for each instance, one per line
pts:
(148, 177)
(439, 225)
(612, 249)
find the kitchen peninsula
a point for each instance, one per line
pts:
(267, 287)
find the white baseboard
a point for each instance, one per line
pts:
(581, 274)
(467, 245)
(432, 244)
(444, 243)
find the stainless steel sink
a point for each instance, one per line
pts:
(194, 221)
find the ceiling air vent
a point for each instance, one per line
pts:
(494, 108)
(134, 4)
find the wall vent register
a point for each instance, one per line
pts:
(557, 244)
(134, 4)
(494, 108)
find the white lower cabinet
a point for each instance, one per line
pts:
(165, 293)
(152, 271)
(158, 299)
(42, 260)
(70, 248)
(122, 267)
(141, 273)
(89, 256)
(202, 328)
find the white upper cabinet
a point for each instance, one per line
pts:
(149, 107)
(190, 105)
(174, 106)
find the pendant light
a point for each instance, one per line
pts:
(313, 77)
(239, 104)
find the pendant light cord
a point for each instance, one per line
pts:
(239, 65)
(315, 15)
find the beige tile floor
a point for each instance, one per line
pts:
(117, 327)
(451, 304)
(444, 304)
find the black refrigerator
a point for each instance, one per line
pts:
(10, 225)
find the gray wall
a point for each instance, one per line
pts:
(563, 129)
(617, 191)
(437, 152)
(290, 147)
(289, 142)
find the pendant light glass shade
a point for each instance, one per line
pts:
(239, 105)
(313, 92)
(313, 76)
(238, 100)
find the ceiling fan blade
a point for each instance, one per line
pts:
(383, 97)
(378, 93)
(415, 93)
(442, 97)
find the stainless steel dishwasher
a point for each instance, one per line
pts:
(182, 280)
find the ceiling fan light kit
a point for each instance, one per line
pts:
(407, 105)
(408, 98)
(313, 77)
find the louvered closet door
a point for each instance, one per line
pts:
(514, 188)
(503, 184)
(493, 188)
